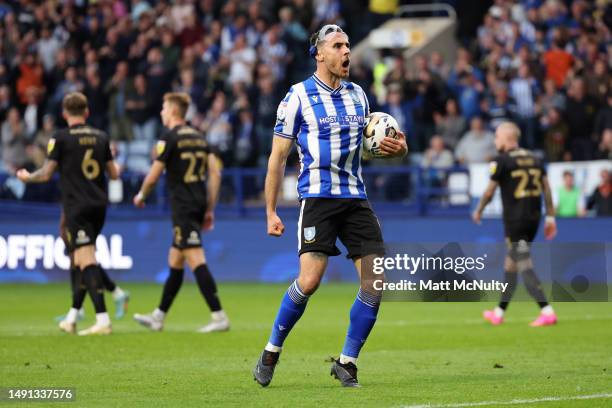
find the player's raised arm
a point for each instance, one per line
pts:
(149, 183)
(213, 186)
(276, 170)
(550, 226)
(486, 198)
(41, 175)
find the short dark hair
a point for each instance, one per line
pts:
(75, 104)
(181, 100)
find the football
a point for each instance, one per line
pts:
(377, 126)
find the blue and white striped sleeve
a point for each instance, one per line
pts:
(366, 103)
(288, 116)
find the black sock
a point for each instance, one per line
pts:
(510, 278)
(207, 286)
(171, 288)
(534, 288)
(78, 288)
(107, 281)
(74, 273)
(92, 276)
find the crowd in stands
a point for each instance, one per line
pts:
(544, 64)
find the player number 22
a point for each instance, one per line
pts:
(192, 157)
(89, 166)
(524, 176)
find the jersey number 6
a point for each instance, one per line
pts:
(89, 166)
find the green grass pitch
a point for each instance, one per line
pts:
(439, 354)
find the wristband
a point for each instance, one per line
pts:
(140, 196)
(550, 219)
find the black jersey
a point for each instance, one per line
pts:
(184, 152)
(82, 153)
(519, 174)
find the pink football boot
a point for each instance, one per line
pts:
(544, 320)
(492, 317)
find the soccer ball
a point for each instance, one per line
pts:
(377, 126)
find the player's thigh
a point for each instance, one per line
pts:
(360, 231)
(175, 258)
(318, 225)
(312, 269)
(194, 257)
(84, 256)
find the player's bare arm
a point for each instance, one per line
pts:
(550, 226)
(391, 147)
(212, 187)
(149, 183)
(486, 198)
(276, 170)
(113, 169)
(41, 175)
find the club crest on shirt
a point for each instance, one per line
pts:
(355, 97)
(51, 145)
(309, 234)
(161, 146)
(492, 167)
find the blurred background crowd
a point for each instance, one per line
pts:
(544, 64)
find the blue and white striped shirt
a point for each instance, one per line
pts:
(327, 125)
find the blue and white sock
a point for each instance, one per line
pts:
(291, 309)
(363, 317)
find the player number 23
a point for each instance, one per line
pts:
(89, 165)
(524, 176)
(192, 157)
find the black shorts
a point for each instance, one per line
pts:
(186, 228)
(83, 225)
(324, 220)
(521, 231)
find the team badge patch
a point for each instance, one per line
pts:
(82, 237)
(161, 146)
(50, 145)
(355, 97)
(309, 234)
(492, 167)
(193, 239)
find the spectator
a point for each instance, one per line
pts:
(116, 89)
(401, 110)
(523, 91)
(557, 61)
(438, 156)
(218, 129)
(556, 135)
(499, 109)
(601, 199)
(37, 152)
(551, 98)
(451, 125)
(477, 145)
(30, 76)
(603, 120)
(581, 109)
(243, 60)
(604, 150)
(569, 198)
(139, 107)
(14, 142)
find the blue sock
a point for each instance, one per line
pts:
(363, 317)
(291, 309)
